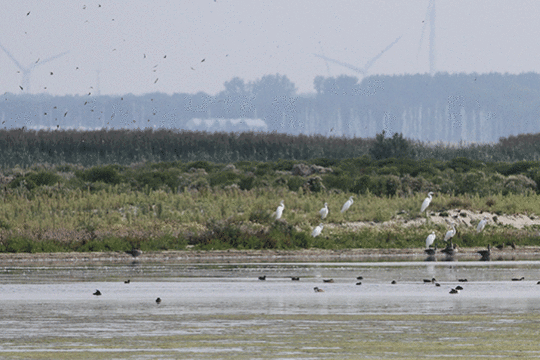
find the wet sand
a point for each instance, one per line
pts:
(309, 255)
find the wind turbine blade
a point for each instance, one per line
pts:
(51, 58)
(22, 68)
(425, 22)
(372, 61)
(325, 61)
(349, 66)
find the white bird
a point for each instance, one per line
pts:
(347, 205)
(324, 211)
(430, 239)
(426, 202)
(450, 233)
(481, 224)
(279, 210)
(317, 231)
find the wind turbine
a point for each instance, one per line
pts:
(430, 16)
(362, 71)
(27, 71)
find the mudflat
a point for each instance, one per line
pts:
(310, 255)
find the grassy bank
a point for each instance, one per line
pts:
(50, 219)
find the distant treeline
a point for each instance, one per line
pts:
(475, 108)
(24, 148)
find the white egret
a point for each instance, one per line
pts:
(426, 202)
(450, 233)
(324, 211)
(482, 224)
(317, 231)
(430, 239)
(279, 210)
(347, 205)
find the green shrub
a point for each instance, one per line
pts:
(223, 178)
(295, 182)
(107, 174)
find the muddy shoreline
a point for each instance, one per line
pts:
(257, 256)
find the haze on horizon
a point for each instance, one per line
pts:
(137, 47)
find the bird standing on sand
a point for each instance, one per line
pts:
(430, 239)
(279, 210)
(317, 231)
(324, 211)
(97, 293)
(347, 205)
(481, 224)
(317, 289)
(426, 202)
(158, 301)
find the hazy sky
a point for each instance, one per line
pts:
(157, 46)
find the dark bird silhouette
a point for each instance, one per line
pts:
(262, 277)
(295, 278)
(317, 289)
(486, 254)
(158, 301)
(430, 281)
(462, 280)
(328, 280)
(134, 252)
(450, 250)
(394, 282)
(454, 291)
(518, 279)
(360, 278)
(127, 281)
(431, 251)
(97, 293)
(359, 283)
(28, 13)
(203, 60)
(459, 287)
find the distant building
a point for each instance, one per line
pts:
(228, 125)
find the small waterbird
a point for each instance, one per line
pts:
(317, 289)
(158, 301)
(97, 293)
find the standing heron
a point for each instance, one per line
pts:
(279, 210)
(347, 205)
(426, 202)
(430, 239)
(482, 224)
(324, 211)
(317, 231)
(450, 233)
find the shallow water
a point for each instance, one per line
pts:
(224, 311)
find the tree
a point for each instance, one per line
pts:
(394, 147)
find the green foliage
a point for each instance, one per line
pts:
(107, 174)
(34, 179)
(394, 147)
(158, 179)
(223, 178)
